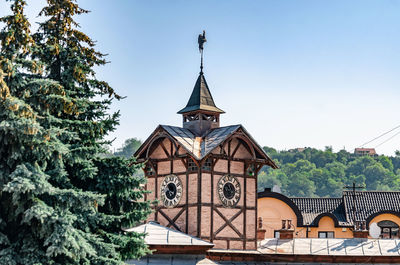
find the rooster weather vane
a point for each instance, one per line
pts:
(201, 40)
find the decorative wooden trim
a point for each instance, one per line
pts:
(257, 160)
(255, 195)
(187, 195)
(228, 222)
(156, 190)
(169, 220)
(236, 149)
(177, 151)
(212, 200)
(195, 161)
(222, 151)
(199, 201)
(232, 174)
(244, 204)
(165, 149)
(172, 160)
(178, 214)
(159, 136)
(162, 159)
(258, 168)
(228, 238)
(164, 175)
(185, 164)
(207, 204)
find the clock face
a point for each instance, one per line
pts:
(171, 191)
(229, 190)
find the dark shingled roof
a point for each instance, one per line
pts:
(200, 147)
(368, 204)
(201, 98)
(311, 208)
(187, 139)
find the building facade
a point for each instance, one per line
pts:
(349, 216)
(204, 175)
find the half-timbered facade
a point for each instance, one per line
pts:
(205, 176)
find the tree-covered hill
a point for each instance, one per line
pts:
(317, 173)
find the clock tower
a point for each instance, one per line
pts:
(204, 176)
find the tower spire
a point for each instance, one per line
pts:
(200, 114)
(201, 40)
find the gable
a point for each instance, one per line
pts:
(201, 147)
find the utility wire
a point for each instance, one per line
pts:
(383, 134)
(388, 139)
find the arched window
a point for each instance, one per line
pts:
(389, 229)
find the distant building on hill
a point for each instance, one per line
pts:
(298, 149)
(365, 152)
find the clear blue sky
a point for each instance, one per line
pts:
(294, 73)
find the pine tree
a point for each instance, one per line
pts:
(62, 202)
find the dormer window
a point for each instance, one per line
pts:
(192, 166)
(207, 165)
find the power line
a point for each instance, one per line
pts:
(388, 139)
(383, 134)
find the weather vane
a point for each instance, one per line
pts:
(201, 40)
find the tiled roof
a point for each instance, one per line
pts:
(188, 140)
(367, 204)
(311, 208)
(200, 147)
(370, 202)
(157, 234)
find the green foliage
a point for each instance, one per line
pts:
(318, 173)
(61, 200)
(129, 148)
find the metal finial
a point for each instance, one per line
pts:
(201, 40)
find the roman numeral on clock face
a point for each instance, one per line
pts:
(228, 190)
(171, 191)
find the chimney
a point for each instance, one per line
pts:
(260, 230)
(287, 230)
(360, 229)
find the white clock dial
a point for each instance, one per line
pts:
(228, 190)
(171, 191)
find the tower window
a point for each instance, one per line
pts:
(251, 169)
(149, 171)
(192, 166)
(209, 118)
(207, 164)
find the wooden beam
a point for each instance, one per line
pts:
(228, 222)
(236, 149)
(165, 149)
(169, 220)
